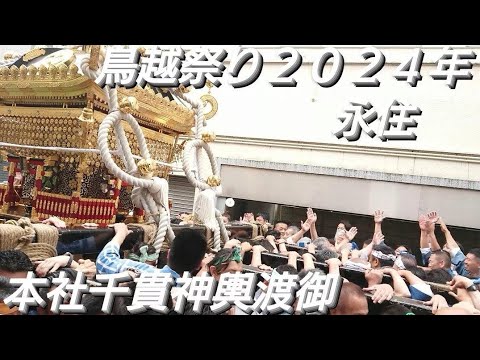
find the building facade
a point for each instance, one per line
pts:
(277, 145)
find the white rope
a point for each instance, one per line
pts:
(204, 208)
(151, 194)
(79, 150)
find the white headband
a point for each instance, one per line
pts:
(382, 256)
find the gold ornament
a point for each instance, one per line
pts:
(42, 71)
(52, 72)
(213, 181)
(86, 115)
(209, 85)
(209, 99)
(208, 136)
(62, 71)
(146, 167)
(129, 105)
(23, 72)
(8, 56)
(32, 54)
(4, 73)
(14, 72)
(72, 71)
(65, 56)
(183, 89)
(94, 57)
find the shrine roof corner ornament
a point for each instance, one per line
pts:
(51, 77)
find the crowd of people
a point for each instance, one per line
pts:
(446, 279)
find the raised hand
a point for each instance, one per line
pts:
(305, 225)
(378, 238)
(431, 219)
(341, 242)
(311, 216)
(206, 260)
(432, 216)
(422, 222)
(352, 233)
(378, 216)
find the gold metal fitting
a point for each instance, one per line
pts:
(129, 105)
(213, 180)
(209, 99)
(8, 56)
(183, 89)
(146, 167)
(86, 115)
(208, 136)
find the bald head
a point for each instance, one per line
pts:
(352, 301)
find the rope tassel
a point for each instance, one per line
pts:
(149, 193)
(205, 208)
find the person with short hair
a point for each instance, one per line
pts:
(382, 255)
(227, 260)
(281, 226)
(14, 264)
(261, 218)
(186, 254)
(465, 265)
(440, 259)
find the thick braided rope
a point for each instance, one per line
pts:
(190, 156)
(202, 169)
(223, 233)
(147, 192)
(151, 194)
